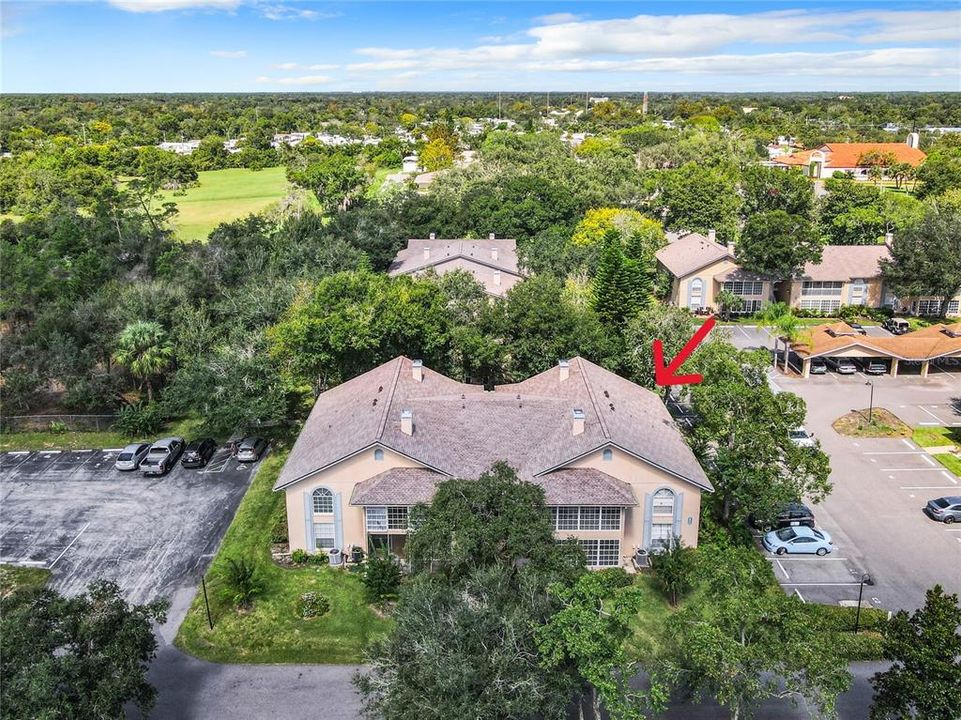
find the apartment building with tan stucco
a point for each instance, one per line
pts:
(616, 472)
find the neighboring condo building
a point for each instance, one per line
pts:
(616, 472)
(831, 158)
(493, 262)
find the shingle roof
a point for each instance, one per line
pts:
(847, 262)
(924, 344)
(411, 259)
(397, 486)
(461, 430)
(848, 155)
(689, 252)
(584, 486)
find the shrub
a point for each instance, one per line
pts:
(57, 427)
(139, 420)
(299, 556)
(674, 570)
(278, 533)
(319, 558)
(313, 605)
(241, 582)
(381, 577)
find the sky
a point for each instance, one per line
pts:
(597, 47)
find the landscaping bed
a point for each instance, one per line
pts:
(884, 424)
(14, 577)
(274, 630)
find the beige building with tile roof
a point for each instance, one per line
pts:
(493, 262)
(616, 472)
(701, 267)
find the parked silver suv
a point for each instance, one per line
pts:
(130, 457)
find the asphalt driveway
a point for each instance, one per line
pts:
(73, 513)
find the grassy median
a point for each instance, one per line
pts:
(272, 631)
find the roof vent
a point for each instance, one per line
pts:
(432, 236)
(493, 253)
(417, 370)
(950, 332)
(564, 367)
(577, 416)
(491, 236)
(426, 253)
(497, 277)
(407, 422)
(712, 235)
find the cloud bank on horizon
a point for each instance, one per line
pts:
(236, 45)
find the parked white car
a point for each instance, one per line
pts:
(798, 539)
(802, 438)
(129, 458)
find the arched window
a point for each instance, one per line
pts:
(323, 501)
(378, 454)
(697, 294)
(608, 454)
(664, 502)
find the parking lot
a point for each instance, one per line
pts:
(874, 513)
(73, 513)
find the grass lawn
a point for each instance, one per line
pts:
(82, 440)
(951, 462)
(380, 176)
(937, 436)
(884, 423)
(272, 631)
(14, 577)
(224, 195)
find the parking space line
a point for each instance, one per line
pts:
(927, 487)
(896, 452)
(925, 469)
(909, 443)
(19, 452)
(816, 584)
(786, 576)
(948, 476)
(929, 461)
(799, 595)
(924, 409)
(69, 546)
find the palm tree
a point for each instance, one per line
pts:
(770, 317)
(144, 350)
(790, 330)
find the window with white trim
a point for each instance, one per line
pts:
(821, 305)
(378, 454)
(602, 553)
(697, 293)
(323, 536)
(821, 287)
(586, 517)
(932, 306)
(663, 503)
(608, 454)
(376, 518)
(858, 290)
(744, 287)
(662, 534)
(323, 501)
(397, 518)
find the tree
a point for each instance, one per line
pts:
(671, 325)
(466, 650)
(210, 154)
(496, 519)
(728, 302)
(437, 155)
(769, 189)
(621, 286)
(926, 259)
(381, 576)
(588, 632)
(741, 436)
(674, 570)
(851, 213)
(747, 641)
(925, 649)
(76, 657)
(143, 348)
(700, 198)
(778, 244)
(334, 178)
(940, 172)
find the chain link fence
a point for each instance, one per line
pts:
(22, 423)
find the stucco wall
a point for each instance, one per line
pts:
(681, 287)
(873, 296)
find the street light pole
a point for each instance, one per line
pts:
(871, 406)
(865, 578)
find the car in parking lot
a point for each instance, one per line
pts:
(842, 366)
(162, 456)
(129, 458)
(250, 449)
(944, 509)
(793, 515)
(801, 540)
(818, 367)
(802, 438)
(874, 367)
(198, 453)
(896, 326)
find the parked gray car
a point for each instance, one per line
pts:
(944, 509)
(129, 458)
(251, 448)
(162, 456)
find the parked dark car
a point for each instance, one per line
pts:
(944, 509)
(198, 453)
(896, 326)
(818, 367)
(874, 367)
(162, 456)
(791, 516)
(251, 448)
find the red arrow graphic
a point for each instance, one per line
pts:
(667, 375)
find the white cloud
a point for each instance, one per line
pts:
(229, 53)
(164, 5)
(277, 11)
(299, 80)
(288, 66)
(557, 18)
